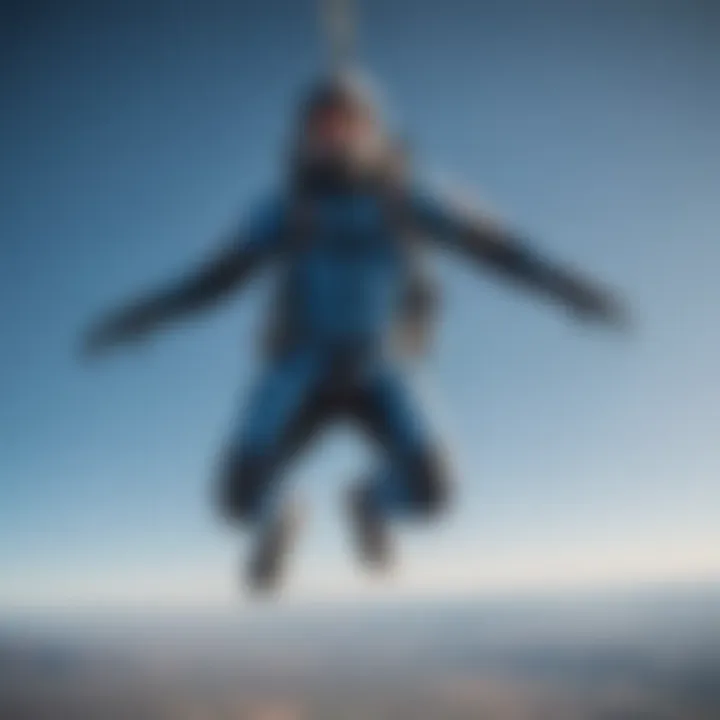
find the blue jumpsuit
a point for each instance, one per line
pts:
(346, 265)
(343, 280)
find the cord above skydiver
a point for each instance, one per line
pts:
(344, 234)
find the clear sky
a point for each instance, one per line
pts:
(132, 134)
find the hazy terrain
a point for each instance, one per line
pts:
(643, 655)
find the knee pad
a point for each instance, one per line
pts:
(242, 481)
(430, 482)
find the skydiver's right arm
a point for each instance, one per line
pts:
(226, 271)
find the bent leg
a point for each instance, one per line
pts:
(414, 478)
(279, 416)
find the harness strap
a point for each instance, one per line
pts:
(413, 327)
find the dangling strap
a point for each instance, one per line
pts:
(338, 20)
(414, 329)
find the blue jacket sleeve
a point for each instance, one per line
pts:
(484, 240)
(259, 238)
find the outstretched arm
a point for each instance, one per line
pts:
(489, 243)
(196, 291)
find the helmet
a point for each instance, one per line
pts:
(345, 90)
(326, 146)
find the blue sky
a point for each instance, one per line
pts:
(133, 134)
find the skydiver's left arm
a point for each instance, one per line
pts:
(487, 242)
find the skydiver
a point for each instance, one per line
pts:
(345, 234)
